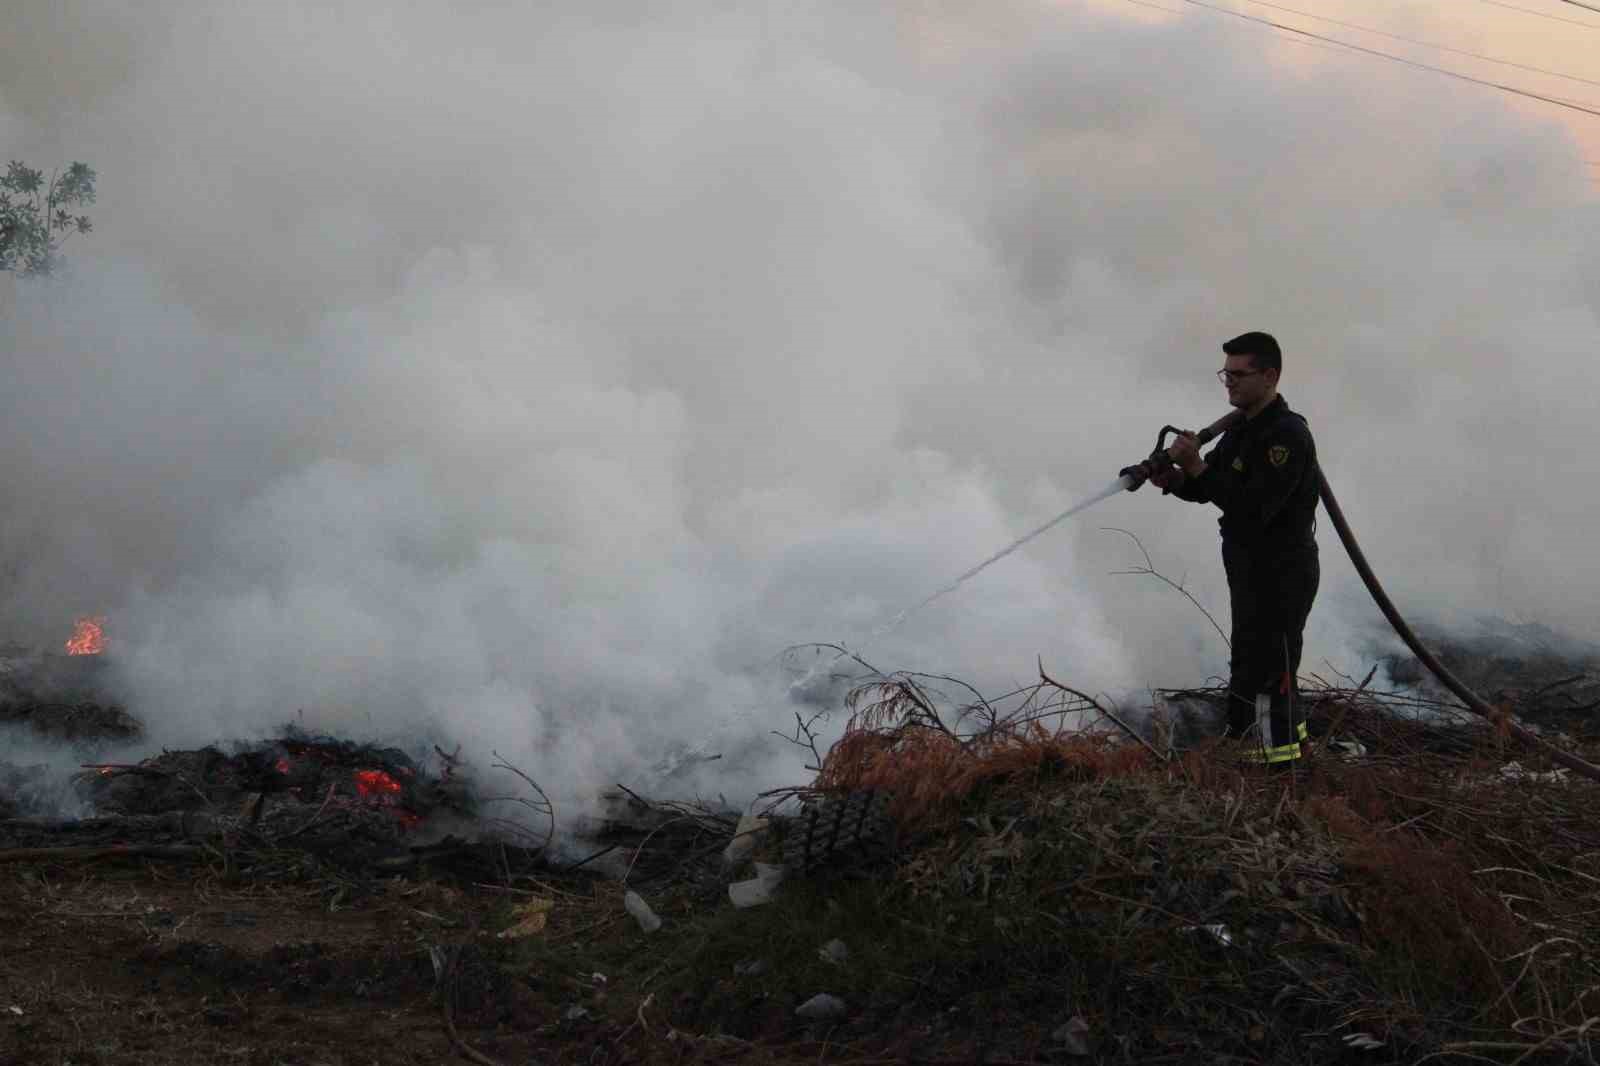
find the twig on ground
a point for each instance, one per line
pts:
(581, 863)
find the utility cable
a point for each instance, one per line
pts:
(1424, 44)
(1570, 105)
(1540, 14)
(1585, 7)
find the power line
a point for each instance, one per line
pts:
(1585, 7)
(1179, 14)
(1540, 14)
(1571, 105)
(1424, 44)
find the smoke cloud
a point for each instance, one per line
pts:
(530, 376)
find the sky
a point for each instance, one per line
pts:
(530, 377)
(1501, 41)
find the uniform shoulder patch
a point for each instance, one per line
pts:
(1238, 464)
(1278, 454)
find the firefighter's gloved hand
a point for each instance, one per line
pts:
(1167, 478)
(1185, 451)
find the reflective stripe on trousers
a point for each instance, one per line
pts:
(1270, 747)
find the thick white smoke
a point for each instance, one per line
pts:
(530, 377)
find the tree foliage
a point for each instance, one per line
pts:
(34, 215)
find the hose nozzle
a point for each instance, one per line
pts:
(1159, 460)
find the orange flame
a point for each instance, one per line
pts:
(379, 787)
(88, 636)
(376, 783)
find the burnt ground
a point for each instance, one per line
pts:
(1432, 897)
(122, 962)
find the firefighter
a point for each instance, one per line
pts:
(1263, 475)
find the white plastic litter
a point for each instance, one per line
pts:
(641, 911)
(1219, 933)
(757, 890)
(821, 1007)
(1074, 1035)
(1513, 771)
(745, 837)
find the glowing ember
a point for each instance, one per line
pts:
(88, 637)
(376, 784)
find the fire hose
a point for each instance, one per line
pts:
(1159, 460)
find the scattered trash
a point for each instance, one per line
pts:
(1219, 933)
(1353, 748)
(1073, 1034)
(598, 978)
(745, 837)
(821, 1007)
(835, 951)
(641, 911)
(531, 918)
(437, 956)
(750, 968)
(1361, 1041)
(758, 890)
(1513, 771)
(576, 1013)
(14, 1009)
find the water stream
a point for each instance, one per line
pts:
(1110, 490)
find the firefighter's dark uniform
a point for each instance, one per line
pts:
(1263, 474)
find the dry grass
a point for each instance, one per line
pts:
(898, 741)
(1438, 893)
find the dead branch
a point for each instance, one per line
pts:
(1126, 728)
(841, 651)
(640, 849)
(110, 768)
(1149, 569)
(581, 863)
(549, 807)
(1552, 686)
(988, 709)
(804, 737)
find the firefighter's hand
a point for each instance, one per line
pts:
(1167, 478)
(1185, 452)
